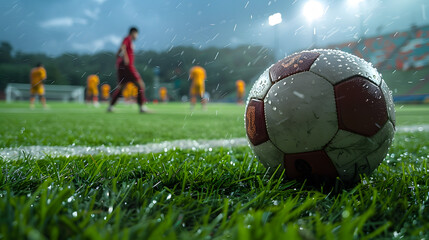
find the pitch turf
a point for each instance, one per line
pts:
(217, 194)
(78, 124)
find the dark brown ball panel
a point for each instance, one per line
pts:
(255, 122)
(361, 106)
(299, 62)
(309, 165)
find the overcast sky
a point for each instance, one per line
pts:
(87, 26)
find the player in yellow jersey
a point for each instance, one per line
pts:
(37, 76)
(241, 87)
(163, 94)
(105, 92)
(92, 82)
(197, 75)
(126, 92)
(130, 92)
(134, 92)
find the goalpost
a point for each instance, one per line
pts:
(65, 93)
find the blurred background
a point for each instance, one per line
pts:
(231, 39)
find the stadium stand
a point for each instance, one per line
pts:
(402, 57)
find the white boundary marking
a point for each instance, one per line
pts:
(40, 152)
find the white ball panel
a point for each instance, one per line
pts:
(336, 66)
(384, 138)
(270, 156)
(389, 101)
(353, 154)
(347, 148)
(300, 113)
(261, 86)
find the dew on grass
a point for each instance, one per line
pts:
(345, 214)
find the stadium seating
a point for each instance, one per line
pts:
(398, 50)
(402, 57)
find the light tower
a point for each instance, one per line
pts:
(274, 20)
(357, 4)
(312, 11)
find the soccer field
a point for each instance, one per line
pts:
(213, 192)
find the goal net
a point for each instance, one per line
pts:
(65, 93)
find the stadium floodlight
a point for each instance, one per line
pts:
(275, 19)
(312, 10)
(357, 4)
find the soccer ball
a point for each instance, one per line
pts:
(319, 115)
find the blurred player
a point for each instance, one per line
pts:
(130, 92)
(37, 76)
(198, 75)
(105, 92)
(163, 94)
(127, 71)
(92, 82)
(241, 86)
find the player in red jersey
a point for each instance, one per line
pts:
(127, 71)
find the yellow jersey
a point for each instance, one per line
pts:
(105, 90)
(130, 90)
(93, 81)
(37, 75)
(197, 75)
(162, 93)
(241, 85)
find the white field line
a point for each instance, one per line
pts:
(39, 152)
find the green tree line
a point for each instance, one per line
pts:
(223, 65)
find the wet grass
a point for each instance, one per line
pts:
(218, 194)
(221, 193)
(78, 124)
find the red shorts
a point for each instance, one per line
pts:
(127, 73)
